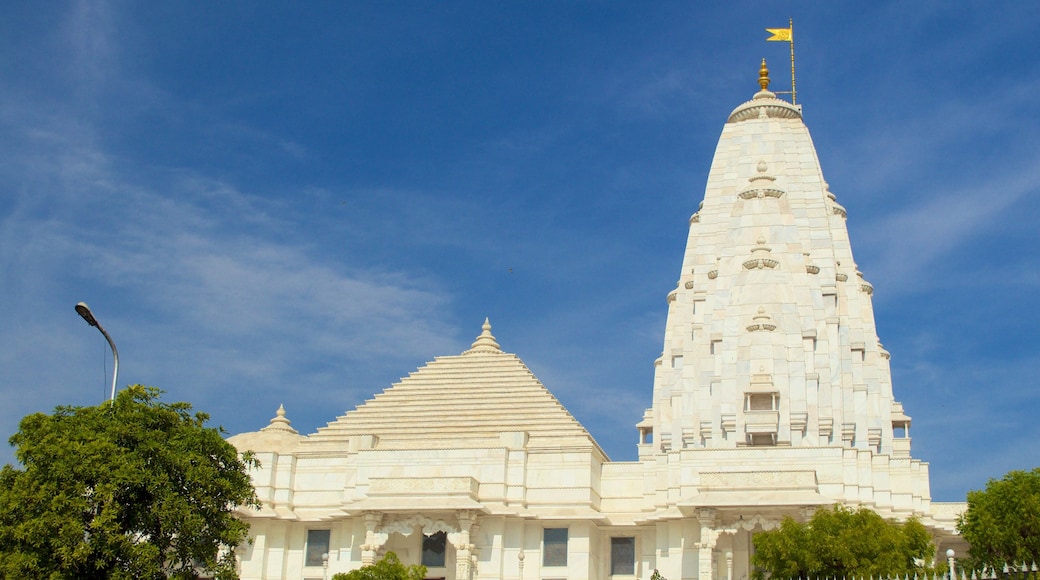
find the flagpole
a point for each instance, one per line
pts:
(794, 92)
(786, 35)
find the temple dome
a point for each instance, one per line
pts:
(277, 437)
(764, 105)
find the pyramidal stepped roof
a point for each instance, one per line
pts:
(479, 398)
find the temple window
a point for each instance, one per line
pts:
(901, 429)
(761, 439)
(317, 546)
(761, 401)
(622, 556)
(554, 547)
(433, 547)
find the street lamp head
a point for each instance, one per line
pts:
(84, 311)
(950, 553)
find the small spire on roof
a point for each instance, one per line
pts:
(485, 343)
(763, 82)
(279, 422)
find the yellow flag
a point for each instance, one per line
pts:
(781, 34)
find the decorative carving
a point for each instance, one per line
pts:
(706, 429)
(412, 485)
(706, 516)
(758, 479)
(689, 437)
(695, 218)
(671, 296)
(760, 256)
(761, 184)
(799, 422)
(760, 263)
(729, 422)
(689, 285)
(826, 427)
(874, 437)
(407, 525)
(848, 433)
(864, 286)
(713, 274)
(761, 321)
(827, 190)
(765, 106)
(841, 277)
(756, 520)
(373, 540)
(838, 210)
(761, 193)
(809, 266)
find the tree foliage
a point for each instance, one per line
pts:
(1002, 522)
(387, 568)
(134, 489)
(841, 543)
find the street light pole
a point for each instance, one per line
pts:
(87, 315)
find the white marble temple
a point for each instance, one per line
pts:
(772, 397)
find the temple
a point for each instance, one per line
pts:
(772, 397)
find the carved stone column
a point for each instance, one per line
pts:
(473, 549)
(464, 550)
(711, 530)
(706, 546)
(374, 539)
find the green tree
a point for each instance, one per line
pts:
(387, 568)
(1002, 522)
(129, 490)
(841, 542)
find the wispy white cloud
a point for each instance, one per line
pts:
(224, 287)
(87, 33)
(904, 246)
(958, 405)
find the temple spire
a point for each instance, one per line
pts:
(763, 76)
(485, 343)
(279, 422)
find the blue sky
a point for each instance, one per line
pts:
(300, 203)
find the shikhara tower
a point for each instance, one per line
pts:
(770, 337)
(773, 390)
(772, 397)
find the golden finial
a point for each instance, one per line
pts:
(763, 76)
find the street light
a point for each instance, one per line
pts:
(87, 315)
(325, 566)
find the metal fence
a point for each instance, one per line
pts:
(1021, 571)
